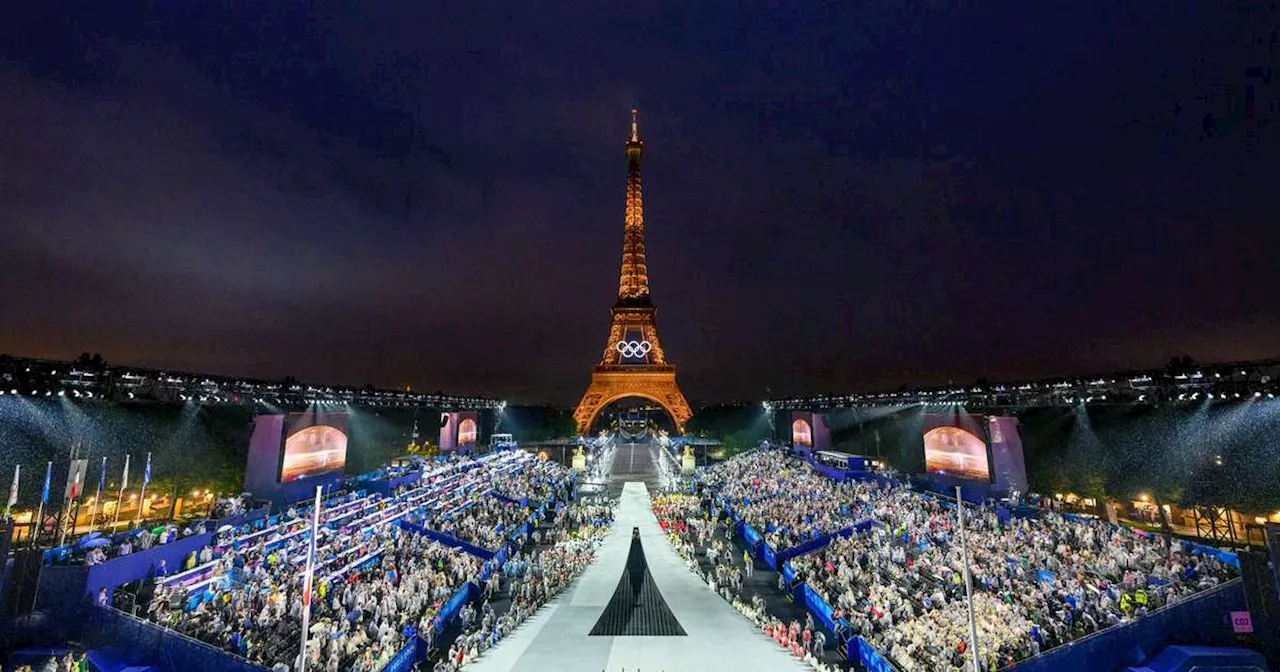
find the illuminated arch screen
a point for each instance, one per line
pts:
(801, 432)
(316, 445)
(467, 431)
(459, 430)
(955, 451)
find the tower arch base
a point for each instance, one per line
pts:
(608, 386)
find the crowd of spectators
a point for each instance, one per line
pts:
(532, 579)
(359, 618)
(376, 584)
(95, 549)
(485, 522)
(1039, 582)
(534, 484)
(785, 500)
(692, 533)
(70, 662)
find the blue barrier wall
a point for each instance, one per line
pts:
(769, 556)
(447, 540)
(821, 610)
(385, 486)
(867, 655)
(404, 658)
(823, 541)
(830, 472)
(788, 573)
(450, 610)
(61, 587)
(1203, 619)
(141, 643)
(522, 502)
(135, 566)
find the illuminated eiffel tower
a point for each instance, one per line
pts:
(633, 364)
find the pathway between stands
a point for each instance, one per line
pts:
(556, 638)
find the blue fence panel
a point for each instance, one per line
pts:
(833, 473)
(447, 540)
(141, 643)
(822, 611)
(127, 568)
(1204, 619)
(404, 658)
(1227, 557)
(504, 498)
(451, 608)
(871, 659)
(769, 556)
(823, 541)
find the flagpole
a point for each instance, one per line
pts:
(97, 499)
(13, 491)
(44, 497)
(307, 579)
(142, 496)
(124, 482)
(68, 501)
(78, 498)
(968, 584)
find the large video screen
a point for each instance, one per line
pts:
(315, 445)
(801, 429)
(459, 430)
(953, 447)
(468, 430)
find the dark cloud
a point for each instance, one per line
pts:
(839, 196)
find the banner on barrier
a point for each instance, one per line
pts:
(769, 556)
(871, 659)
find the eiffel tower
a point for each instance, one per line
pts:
(633, 364)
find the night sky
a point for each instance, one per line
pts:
(853, 196)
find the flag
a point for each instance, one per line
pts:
(75, 478)
(124, 480)
(146, 474)
(102, 477)
(48, 475)
(13, 489)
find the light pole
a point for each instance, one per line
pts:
(307, 578)
(968, 583)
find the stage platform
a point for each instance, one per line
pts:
(556, 638)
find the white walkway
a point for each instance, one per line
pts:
(556, 640)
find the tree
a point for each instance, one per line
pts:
(1094, 486)
(737, 442)
(93, 362)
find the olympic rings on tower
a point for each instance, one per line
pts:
(633, 349)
